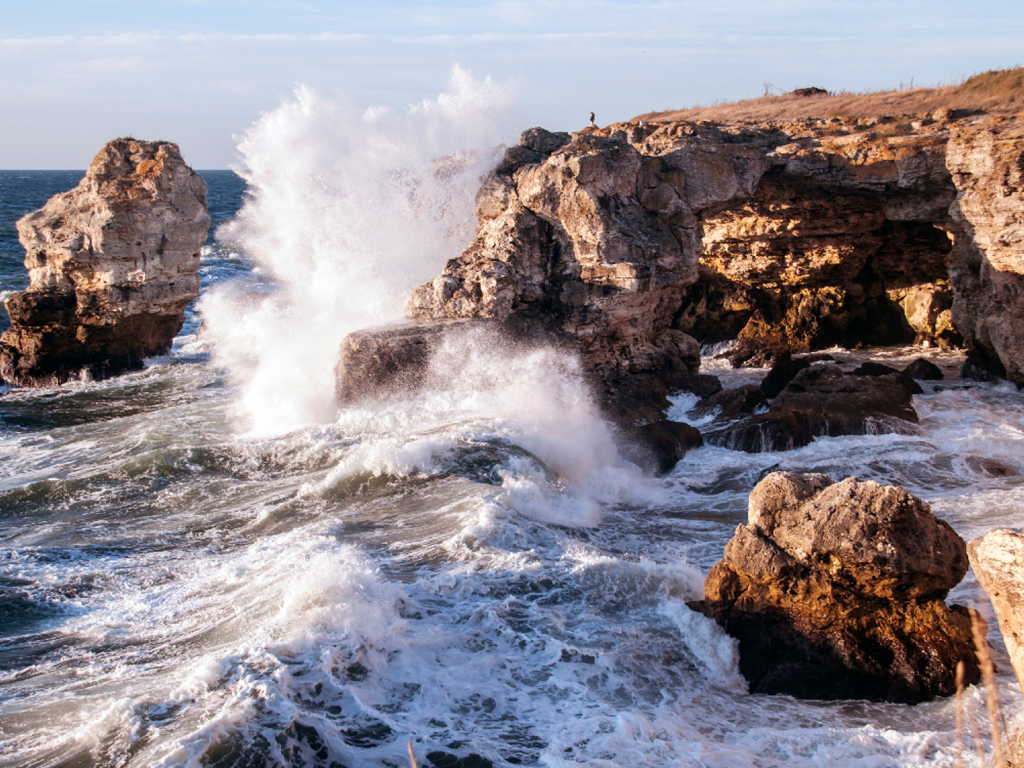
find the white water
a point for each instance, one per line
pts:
(347, 211)
(474, 569)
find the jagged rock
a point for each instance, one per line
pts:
(837, 236)
(997, 559)
(594, 240)
(986, 160)
(923, 370)
(629, 242)
(112, 266)
(835, 590)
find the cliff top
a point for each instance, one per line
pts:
(996, 92)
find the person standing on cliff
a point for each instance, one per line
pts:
(592, 123)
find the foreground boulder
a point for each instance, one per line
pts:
(112, 266)
(835, 591)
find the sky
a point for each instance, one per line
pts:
(76, 73)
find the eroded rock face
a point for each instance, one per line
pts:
(986, 160)
(996, 559)
(112, 266)
(835, 590)
(784, 236)
(594, 238)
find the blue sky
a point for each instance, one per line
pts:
(74, 74)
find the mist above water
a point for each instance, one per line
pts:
(347, 210)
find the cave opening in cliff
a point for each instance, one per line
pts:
(803, 267)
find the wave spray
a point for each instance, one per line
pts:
(347, 211)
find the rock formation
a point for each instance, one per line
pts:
(835, 590)
(996, 559)
(987, 270)
(632, 243)
(112, 266)
(819, 400)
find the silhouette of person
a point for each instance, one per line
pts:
(592, 123)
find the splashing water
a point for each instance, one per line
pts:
(347, 211)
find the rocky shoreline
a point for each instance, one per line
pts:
(629, 247)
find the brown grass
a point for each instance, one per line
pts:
(997, 725)
(998, 92)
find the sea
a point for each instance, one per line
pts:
(208, 562)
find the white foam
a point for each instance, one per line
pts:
(347, 211)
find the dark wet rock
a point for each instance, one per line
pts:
(659, 446)
(836, 591)
(440, 759)
(923, 370)
(979, 366)
(822, 401)
(762, 433)
(732, 403)
(785, 368)
(871, 368)
(832, 403)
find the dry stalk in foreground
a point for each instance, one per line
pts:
(412, 757)
(979, 629)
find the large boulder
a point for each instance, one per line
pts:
(593, 238)
(112, 265)
(835, 590)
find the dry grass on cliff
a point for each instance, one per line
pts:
(996, 91)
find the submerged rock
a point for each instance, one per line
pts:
(835, 590)
(923, 370)
(112, 266)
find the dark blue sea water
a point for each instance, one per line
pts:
(474, 569)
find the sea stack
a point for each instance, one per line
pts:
(112, 264)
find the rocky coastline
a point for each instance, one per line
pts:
(630, 247)
(633, 245)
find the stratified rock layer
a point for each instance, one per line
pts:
(835, 590)
(112, 266)
(987, 270)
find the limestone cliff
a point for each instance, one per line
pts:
(782, 235)
(632, 243)
(112, 266)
